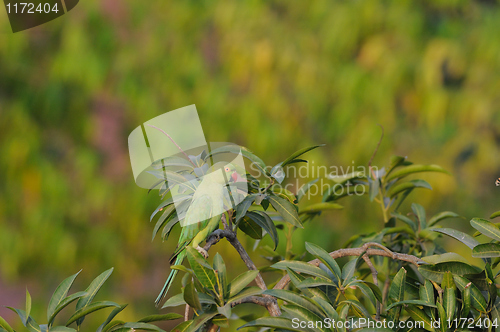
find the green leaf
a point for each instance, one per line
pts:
(466, 239)
(286, 210)
(318, 207)
(225, 310)
(111, 316)
(91, 291)
(127, 327)
(448, 281)
(486, 228)
(486, 250)
(250, 227)
(277, 323)
(466, 300)
(60, 293)
(406, 220)
(5, 325)
(243, 206)
(191, 296)
(374, 188)
(419, 316)
(241, 282)
(160, 318)
(397, 161)
(441, 216)
(310, 282)
(202, 269)
(305, 188)
(367, 291)
(200, 321)
(294, 311)
(84, 311)
(264, 221)
(449, 303)
(420, 213)
(412, 302)
(174, 301)
(325, 258)
(183, 327)
(397, 289)
(296, 299)
(302, 267)
(61, 329)
(357, 305)
(298, 154)
(348, 270)
(477, 299)
(221, 275)
(64, 303)
(246, 292)
(170, 201)
(435, 272)
(442, 316)
(397, 189)
(495, 214)
(400, 173)
(115, 325)
(28, 305)
(375, 289)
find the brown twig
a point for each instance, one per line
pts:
(186, 313)
(357, 252)
(164, 132)
(271, 304)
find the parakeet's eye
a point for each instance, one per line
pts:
(226, 169)
(497, 182)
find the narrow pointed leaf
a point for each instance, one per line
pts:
(412, 169)
(466, 239)
(5, 325)
(202, 269)
(302, 267)
(486, 250)
(60, 293)
(325, 258)
(298, 154)
(441, 216)
(397, 289)
(91, 291)
(486, 228)
(82, 312)
(111, 316)
(242, 281)
(191, 296)
(64, 303)
(286, 210)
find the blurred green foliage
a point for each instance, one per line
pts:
(273, 76)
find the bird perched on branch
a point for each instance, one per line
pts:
(202, 217)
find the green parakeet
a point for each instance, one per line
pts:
(202, 218)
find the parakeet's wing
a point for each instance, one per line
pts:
(196, 219)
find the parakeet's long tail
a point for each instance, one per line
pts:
(170, 279)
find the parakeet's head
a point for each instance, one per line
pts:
(231, 172)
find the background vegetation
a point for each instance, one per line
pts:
(271, 76)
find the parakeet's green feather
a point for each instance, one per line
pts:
(201, 219)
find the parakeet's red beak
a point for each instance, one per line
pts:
(234, 176)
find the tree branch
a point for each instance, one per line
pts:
(215, 237)
(357, 252)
